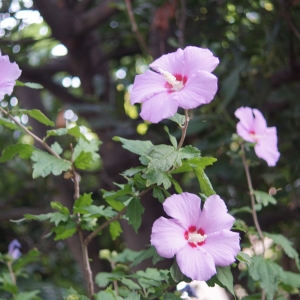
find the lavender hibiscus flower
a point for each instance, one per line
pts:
(9, 73)
(201, 240)
(180, 79)
(253, 128)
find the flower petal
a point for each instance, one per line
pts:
(214, 215)
(184, 208)
(260, 124)
(199, 89)
(9, 73)
(159, 107)
(167, 237)
(171, 62)
(196, 263)
(266, 148)
(146, 86)
(223, 246)
(196, 59)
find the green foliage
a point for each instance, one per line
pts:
(38, 115)
(9, 124)
(244, 258)
(133, 296)
(223, 278)
(134, 213)
(267, 273)
(31, 85)
(145, 254)
(23, 150)
(264, 198)
(85, 153)
(134, 146)
(115, 229)
(286, 245)
(74, 131)
(45, 164)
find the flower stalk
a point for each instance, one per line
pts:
(184, 128)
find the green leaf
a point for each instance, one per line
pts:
(223, 278)
(103, 295)
(264, 198)
(286, 245)
(134, 213)
(42, 217)
(38, 115)
(58, 217)
(132, 171)
(204, 182)
(10, 287)
(158, 194)
(189, 152)
(267, 273)
(27, 295)
(179, 119)
(201, 162)
(130, 284)
(23, 150)
(57, 148)
(145, 254)
(135, 146)
(244, 258)
(74, 131)
(177, 187)
(171, 137)
(99, 211)
(163, 158)
(57, 205)
(133, 296)
(115, 229)
(91, 146)
(64, 231)
(126, 255)
(82, 201)
(103, 279)
(169, 296)
(9, 124)
(160, 178)
(291, 279)
(175, 272)
(84, 160)
(44, 164)
(32, 85)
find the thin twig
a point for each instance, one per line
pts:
(135, 28)
(87, 267)
(184, 128)
(255, 219)
(116, 217)
(182, 23)
(85, 255)
(45, 145)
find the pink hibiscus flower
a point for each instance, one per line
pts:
(253, 128)
(199, 239)
(180, 79)
(9, 73)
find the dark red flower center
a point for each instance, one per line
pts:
(195, 237)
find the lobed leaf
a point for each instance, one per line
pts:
(38, 115)
(44, 164)
(135, 146)
(23, 150)
(286, 245)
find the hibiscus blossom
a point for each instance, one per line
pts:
(253, 128)
(180, 79)
(9, 73)
(14, 249)
(201, 240)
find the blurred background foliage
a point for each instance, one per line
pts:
(86, 55)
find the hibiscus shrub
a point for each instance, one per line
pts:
(206, 240)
